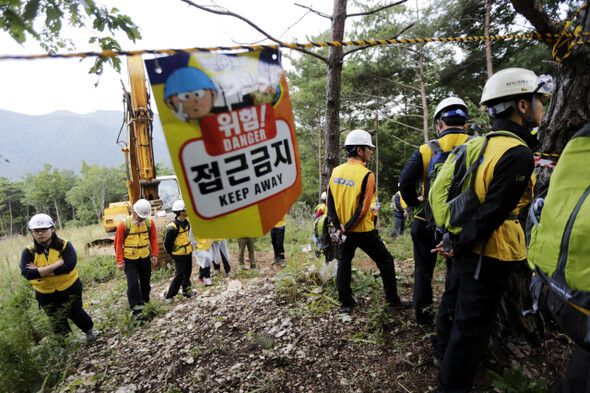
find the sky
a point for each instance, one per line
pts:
(37, 87)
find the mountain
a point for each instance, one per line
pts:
(64, 139)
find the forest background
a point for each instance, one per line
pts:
(381, 92)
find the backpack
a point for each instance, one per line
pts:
(434, 166)
(452, 195)
(559, 247)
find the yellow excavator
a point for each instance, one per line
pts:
(142, 182)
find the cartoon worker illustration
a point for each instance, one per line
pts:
(189, 93)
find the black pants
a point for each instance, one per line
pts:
(138, 273)
(371, 243)
(226, 265)
(399, 224)
(61, 305)
(204, 272)
(575, 324)
(277, 237)
(446, 313)
(476, 304)
(424, 263)
(183, 266)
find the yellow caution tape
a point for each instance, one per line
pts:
(560, 39)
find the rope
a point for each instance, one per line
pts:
(560, 39)
(565, 38)
(546, 155)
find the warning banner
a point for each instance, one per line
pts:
(229, 127)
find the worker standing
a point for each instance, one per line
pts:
(244, 242)
(351, 191)
(178, 245)
(491, 241)
(136, 248)
(277, 237)
(450, 122)
(400, 213)
(50, 264)
(321, 208)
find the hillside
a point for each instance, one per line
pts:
(64, 139)
(274, 330)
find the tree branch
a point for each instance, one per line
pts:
(535, 14)
(399, 83)
(218, 10)
(375, 10)
(314, 11)
(406, 125)
(368, 46)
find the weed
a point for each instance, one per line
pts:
(375, 327)
(262, 385)
(515, 380)
(263, 341)
(218, 345)
(97, 269)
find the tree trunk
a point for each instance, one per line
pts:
(322, 188)
(333, 91)
(58, 216)
(489, 65)
(10, 213)
(568, 112)
(423, 95)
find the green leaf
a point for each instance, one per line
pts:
(31, 9)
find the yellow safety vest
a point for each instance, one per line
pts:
(137, 242)
(322, 207)
(507, 242)
(281, 223)
(345, 186)
(182, 244)
(50, 284)
(447, 143)
(203, 244)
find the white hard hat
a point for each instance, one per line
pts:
(142, 208)
(40, 221)
(513, 82)
(178, 206)
(324, 195)
(358, 138)
(448, 103)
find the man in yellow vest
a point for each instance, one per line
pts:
(350, 193)
(178, 244)
(492, 240)
(136, 248)
(450, 122)
(400, 212)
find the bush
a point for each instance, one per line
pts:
(97, 269)
(30, 355)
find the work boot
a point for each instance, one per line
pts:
(90, 335)
(399, 305)
(190, 293)
(283, 263)
(253, 266)
(275, 261)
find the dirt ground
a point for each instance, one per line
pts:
(240, 336)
